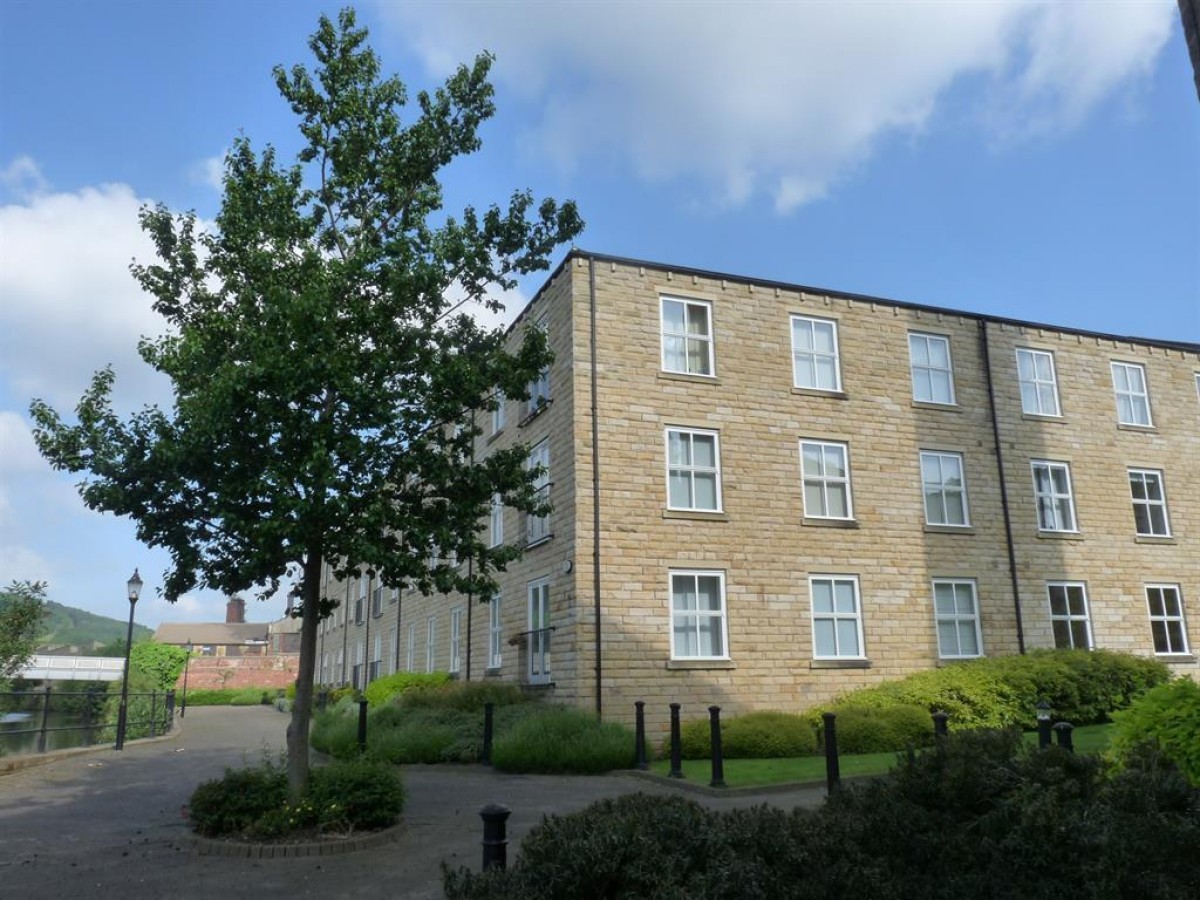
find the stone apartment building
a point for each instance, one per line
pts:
(765, 495)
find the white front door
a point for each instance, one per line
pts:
(539, 631)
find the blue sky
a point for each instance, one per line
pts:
(1027, 159)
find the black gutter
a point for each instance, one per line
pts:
(1008, 531)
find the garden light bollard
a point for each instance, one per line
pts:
(495, 841)
(940, 730)
(1043, 723)
(362, 726)
(833, 774)
(1065, 740)
(489, 712)
(676, 742)
(639, 750)
(718, 762)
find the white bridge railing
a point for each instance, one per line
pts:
(74, 668)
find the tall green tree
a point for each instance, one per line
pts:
(22, 609)
(324, 378)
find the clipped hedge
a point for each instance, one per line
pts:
(1084, 688)
(1166, 718)
(862, 729)
(251, 696)
(755, 735)
(468, 696)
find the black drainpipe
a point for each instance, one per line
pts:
(1008, 532)
(595, 482)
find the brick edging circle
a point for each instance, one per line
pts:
(212, 847)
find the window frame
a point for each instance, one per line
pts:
(691, 469)
(835, 616)
(721, 615)
(495, 633)
(943, 490)
(539, 386)
(812, 353)
(707, 339)
(410, 661)
(537, 528)
(1165, 619)
(1132, 395)
(537, 597)
(1068, 617)
(496, 521)
(825, 480)
(455, 640)
(431, 644)
(958, 619)
(929, 368)
(1038, 382)
(1054, 497)
(499, 413)
(1149, 504)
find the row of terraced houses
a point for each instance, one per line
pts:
(766, 494)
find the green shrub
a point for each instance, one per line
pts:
(341, 797)
(356, 794)
(863, 729)
(382, 690)
(232, 804)
(251, 696)
(161, 663)
(757, 735)
(1167, 718)
(468, 696)
(561, 740)
(334, 734)
(980, 816)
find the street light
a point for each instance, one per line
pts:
(1043, 722)
(134, 587)
(186, 663)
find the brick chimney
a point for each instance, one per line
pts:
(235, 611)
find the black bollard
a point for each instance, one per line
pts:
(718, 762)
(676, 745)
(639, 751)
(833, 775)
(1065, 740)
(489, 710)
(362, 726)
(495, 841)
(940, 730)
(1043, 732)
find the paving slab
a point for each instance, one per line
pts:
(113, 821)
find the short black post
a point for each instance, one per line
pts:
(940, 730)
(639, 751)
(1065, 740)
(41, 742)
(1044, 732)
(362, 726)
(153, 713)
(489, 712)
(169, 712)
(495, 841)
(676, 745)
(718, 761)
(833, 774)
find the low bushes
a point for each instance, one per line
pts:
(468, 696)
(1084, 688)
(341, 797)
(864, 730)
(558, 740)
(980, 817)
(1168, 719)
(752, 736)
(252, 696)
(382, 690)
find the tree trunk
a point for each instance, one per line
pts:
(297, 731)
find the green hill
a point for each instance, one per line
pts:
(65, 625)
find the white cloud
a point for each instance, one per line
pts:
(70, 304)
(23, 177)
(784, 99)
(209, 172)
(18, 453)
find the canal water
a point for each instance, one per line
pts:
(19, 731)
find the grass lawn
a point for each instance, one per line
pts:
(752, 772)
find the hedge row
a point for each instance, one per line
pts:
(980, 817)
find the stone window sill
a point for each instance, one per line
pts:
(699, 515)
(930, 404)
(693, 664)
(1176, 658)
(949, 529)
(542, 540)
(1129, 426)
(533, 414)
(830, 523)
(1035, 417)
(1154, 539)
(840, 664)
(819, 392)
(688, 376)
(1059, 536)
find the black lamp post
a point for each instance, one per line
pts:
(186, 664)
(1043, 723)
(135, 588)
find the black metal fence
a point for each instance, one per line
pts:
(43, 719)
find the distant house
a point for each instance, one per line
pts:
(235, 636)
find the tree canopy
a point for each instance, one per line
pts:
(324, 365)
(22, 608)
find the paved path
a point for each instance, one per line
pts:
(112, 822)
